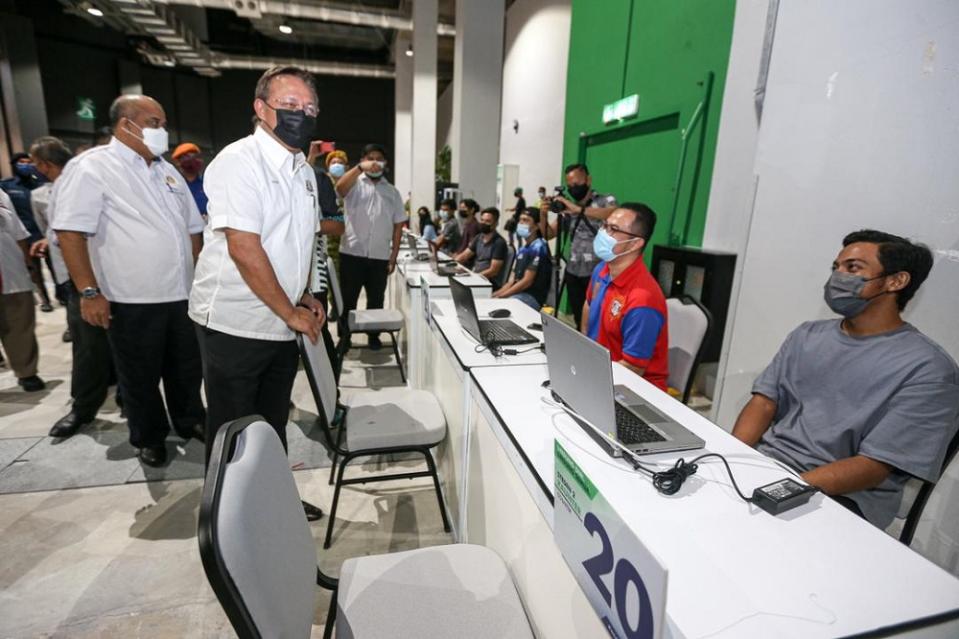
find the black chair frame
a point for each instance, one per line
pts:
(344, 344)
(336, 445)
(227, 593)
(688, 299)
(919, 504)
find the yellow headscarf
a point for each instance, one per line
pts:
(332, 155)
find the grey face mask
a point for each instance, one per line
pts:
(843, 291)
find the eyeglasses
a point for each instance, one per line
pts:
(612, 228)
(291, 104)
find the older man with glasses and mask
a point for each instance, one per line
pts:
(625, 309)
(250, 296)
(130, 231)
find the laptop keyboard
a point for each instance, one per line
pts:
(630, 429)
(501, 331)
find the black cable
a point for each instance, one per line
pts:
(669, 481)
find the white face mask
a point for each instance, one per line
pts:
(157, 140)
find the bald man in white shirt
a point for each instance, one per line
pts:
(130, 232)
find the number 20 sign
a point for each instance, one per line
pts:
(623, 582)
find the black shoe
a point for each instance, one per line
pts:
(375, 343)
(46, 307)
(193, 432)
(312, 512)
(31, 384)
(153, 456)
(67, 337)
(68, 425)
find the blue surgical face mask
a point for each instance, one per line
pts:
(28, 172)
(522, 230)
(604, 243)
(337, 170)
(444, 214)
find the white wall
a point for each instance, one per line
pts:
(730, 205)
(534, 91)
(858, 130)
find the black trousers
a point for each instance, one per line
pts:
(244, 377)
(358, 273)
(92, 371)
(153, 343)
(576, 288)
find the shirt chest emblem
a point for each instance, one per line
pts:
(309, 187)
(615, 308)
(171, 184)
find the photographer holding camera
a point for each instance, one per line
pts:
(581, 218)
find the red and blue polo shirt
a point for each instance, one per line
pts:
(627, 315)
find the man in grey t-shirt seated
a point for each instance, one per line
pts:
(859, 405)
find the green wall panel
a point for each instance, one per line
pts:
(672, 53)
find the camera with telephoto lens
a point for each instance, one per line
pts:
(554, 205)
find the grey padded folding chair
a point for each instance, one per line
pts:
(260, 559)
(369, 320)
(387, 421)
(689, 326)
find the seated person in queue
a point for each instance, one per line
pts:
(487, 253)
(860, 404)
(531, 276)
(449, 237)
(427, 229)
(625, 308)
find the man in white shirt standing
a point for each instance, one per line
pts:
(92, 370)
(17, 314)
(250, 296)
(130, 233)
(374, 226)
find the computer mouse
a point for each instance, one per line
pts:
(499, 312)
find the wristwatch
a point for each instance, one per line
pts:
(90, 292)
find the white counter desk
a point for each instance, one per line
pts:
(734, 570)
(404, 294)
(448, 353)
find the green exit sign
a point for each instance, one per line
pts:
(86, 109)
(621, 109)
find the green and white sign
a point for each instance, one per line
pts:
(621, 109)
(86, 109)
(623, 581)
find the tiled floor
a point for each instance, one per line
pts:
(94, 544)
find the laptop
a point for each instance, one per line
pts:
(445, 268)
(502, 331)
(581, 376)
(414, 249)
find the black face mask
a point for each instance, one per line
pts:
(293, 128)
(485, 228)
(578, 191)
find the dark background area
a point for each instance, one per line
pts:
(77, 59)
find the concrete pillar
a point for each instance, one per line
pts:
(403, 130)
(23, 102)
(477, 92)
(425, 14)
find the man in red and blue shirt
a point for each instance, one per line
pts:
(625, 308)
